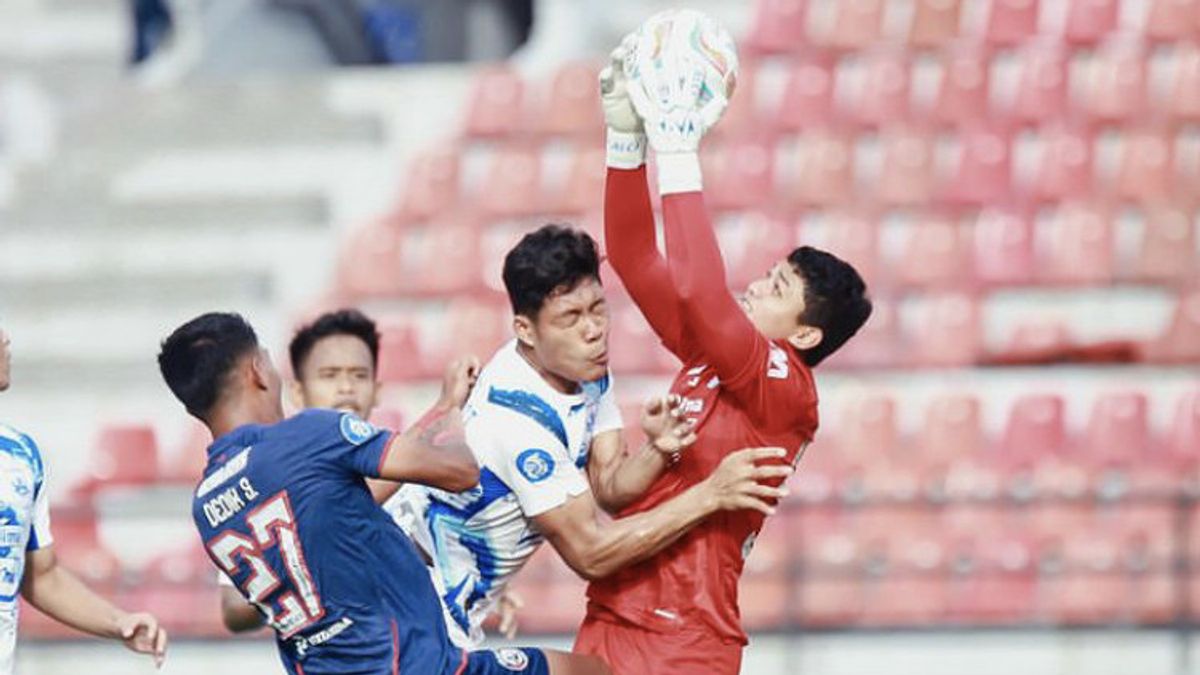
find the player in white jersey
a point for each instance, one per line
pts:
(544, 427)
(28, 565)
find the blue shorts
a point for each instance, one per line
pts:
(506, 661)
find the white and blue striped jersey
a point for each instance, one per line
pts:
(24, 526)
(532, 445)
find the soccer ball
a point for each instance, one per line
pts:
(682, 48)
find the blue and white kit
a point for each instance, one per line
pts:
(24, 526)
(532, 443)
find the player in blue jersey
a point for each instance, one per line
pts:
(284, 511)
(29, 566)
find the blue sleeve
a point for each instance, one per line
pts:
(348, 442)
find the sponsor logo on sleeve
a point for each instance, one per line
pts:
(535, 465)
(356, 431)
(512, 659)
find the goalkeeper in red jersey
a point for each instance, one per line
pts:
(746, 379)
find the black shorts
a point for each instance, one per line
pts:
(506, 661)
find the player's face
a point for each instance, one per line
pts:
(570, 336)
(775, 302)
(338, 374)
(5, 360)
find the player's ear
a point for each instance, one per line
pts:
(806, 337)
(260, 370)
(523, 328)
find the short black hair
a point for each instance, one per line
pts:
(835, 299)
(552, 259)
(342, 322)
(197, 358)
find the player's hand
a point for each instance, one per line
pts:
(665, 426)
(457, 381)
(510, 604)
(141, 633)
(619, 114)
(734, 485)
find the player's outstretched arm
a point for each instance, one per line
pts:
(595, 550)
(61, 595)
(629, 229)
(434, 451)
(618, 477)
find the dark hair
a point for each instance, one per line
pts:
(835, 299)
(196, 359)
(342, 322)
(549, 260)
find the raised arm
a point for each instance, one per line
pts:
(434, 451)
(595, 550)
(717, 325)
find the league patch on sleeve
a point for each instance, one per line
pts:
(356, 431)
(535, 465)
(512, 659)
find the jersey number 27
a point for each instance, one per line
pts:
(272, 524)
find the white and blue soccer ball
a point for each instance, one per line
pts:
(684, 43)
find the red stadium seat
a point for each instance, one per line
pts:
(992, 599)
(584, 190)
(752, 243)
(951, 430)
(388, 418)
(1065, 165)
(1034, 434)
(867, 430)
(1011, 21)
(1090, 21)
(829, 601)
(1115, 90)
(741, 176)
(853, 238)
(1147, 165)
(496, 105)
(475, 325)
(574, 105)
(125, 455)
(1081, 246)
(400, 355)
(948, 332)
(1183, 436)
(188, 462)
(433, 184)
(907, 602)
(514, 185)
(764, 601)
(370, 261)
(876, 345)
(826, 169)
(1171, 20)
(856, 25)
(984, 169)
(1116, 444)
(907, 176)
(556, 606)
(633, 345)
(1184, 102)
(1004, 248)
(1083, 598)
(808, 95)
(441, 257)
(883, 92)
(1042, 91)
(1181, 342)
(934, 22)
(936, 254)
(77, 542)
(962, 96)
(779, 26)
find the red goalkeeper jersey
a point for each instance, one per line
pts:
(742, 389)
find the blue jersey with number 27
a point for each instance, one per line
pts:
(283, 510)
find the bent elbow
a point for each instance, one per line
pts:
(465, 478)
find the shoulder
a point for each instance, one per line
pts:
(520, 411)
(21, 445)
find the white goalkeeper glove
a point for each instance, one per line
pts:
(626, 137)
(678, 107)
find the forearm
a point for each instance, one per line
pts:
(382, 490)
(63, 597)
(637, 537)
(631, 245)
(240, 616)
(434, 452)
(630, 478)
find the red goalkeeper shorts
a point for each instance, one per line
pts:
(631, 650)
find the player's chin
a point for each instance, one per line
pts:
(593, 369)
